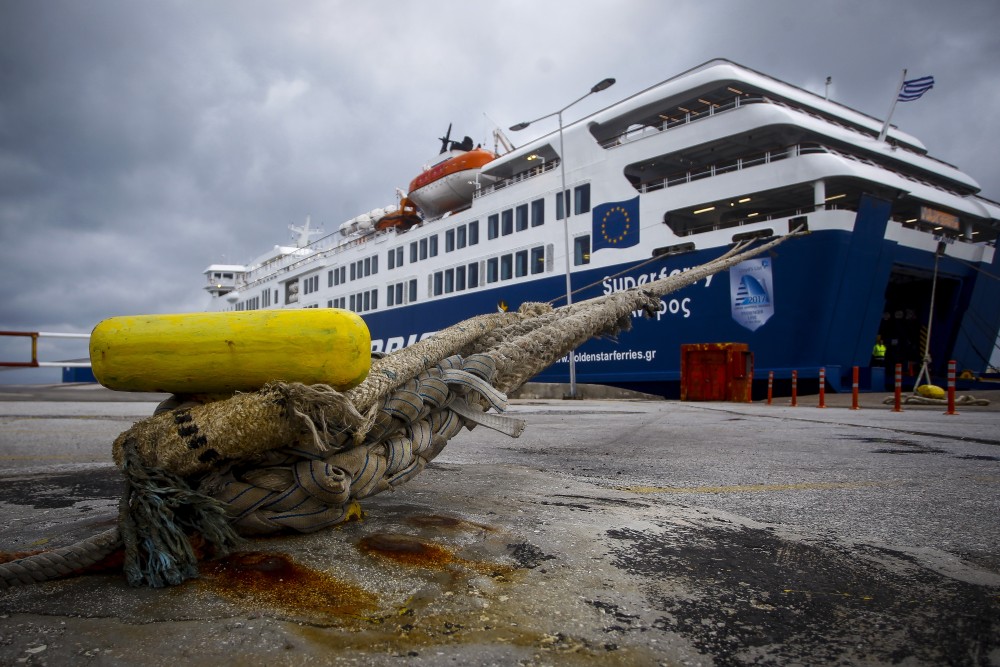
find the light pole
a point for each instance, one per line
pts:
(604, 84)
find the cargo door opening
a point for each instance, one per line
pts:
(904, 320)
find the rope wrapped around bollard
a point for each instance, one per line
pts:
(198, 476)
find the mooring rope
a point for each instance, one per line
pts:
(297, 457)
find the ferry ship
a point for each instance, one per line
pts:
(652, 185)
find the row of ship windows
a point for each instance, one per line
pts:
(517, 219)
(531, 261)
(359, 269)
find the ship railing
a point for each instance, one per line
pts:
(737, 164)
(761, 220)
(289, 263)
(33, 361)
(637, 133)
(548, 165)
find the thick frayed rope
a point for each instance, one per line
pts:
(311, 486)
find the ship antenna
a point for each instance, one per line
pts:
(304, 232)
(446, 139)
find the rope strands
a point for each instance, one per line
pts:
(297, 457)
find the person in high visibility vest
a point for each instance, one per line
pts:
(878, 352)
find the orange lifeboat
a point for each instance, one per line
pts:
(402, 219)
(450, 183)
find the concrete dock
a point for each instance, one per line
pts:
(612, 532)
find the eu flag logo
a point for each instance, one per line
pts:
(616, 224)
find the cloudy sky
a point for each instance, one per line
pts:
(142, 141)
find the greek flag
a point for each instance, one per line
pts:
(914, 88)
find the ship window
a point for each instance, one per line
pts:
(438, 283)
(374, 264)
(354, 271)
(423, 248)
(343, 275)
(449, 281)
(329, 304)
(399, 256)
(374, 299)
(368, 266)
(460, 237)
(276, 297)
(473, 276)
(459, 278)
(493, 227)
(491, 270)
(537, 260)
(538, 212)
(581, 250)
(399, 292)
(392, 259)
(434, 245)
(413, 290)
(521, 217)
(449, 240)
(581, 199)
(506, 267)
(559, 204)
(329, 278)
(507, 222)
(474, 232)
(352, 302)
(390, 296)
(413, 252)
(367, 300)
(520, 263)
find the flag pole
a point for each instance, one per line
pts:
(892, 108)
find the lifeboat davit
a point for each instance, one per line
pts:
(451, 182)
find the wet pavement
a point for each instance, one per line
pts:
(612, 532)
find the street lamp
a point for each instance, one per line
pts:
(604, 84)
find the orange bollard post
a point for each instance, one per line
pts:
(951, 389)
(795, 388)
(898, 404)
(770, 386)
(822, 388)
(854, 389)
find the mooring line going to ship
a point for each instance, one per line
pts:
(740, 245)
(197, 476)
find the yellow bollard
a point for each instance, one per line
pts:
(221, 353)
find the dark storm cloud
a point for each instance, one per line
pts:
(140, 142)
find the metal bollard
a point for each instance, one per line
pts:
(795, 388)
(770, 386)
